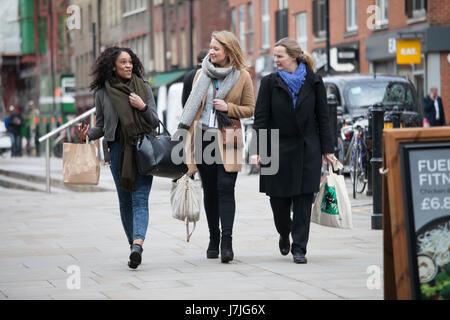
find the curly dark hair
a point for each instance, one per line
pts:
(105, 62)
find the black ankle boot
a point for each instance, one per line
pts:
(135, 256)
(213, 248)
(226, 249)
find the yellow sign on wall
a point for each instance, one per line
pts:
(408, 51)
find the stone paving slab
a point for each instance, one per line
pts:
(41, 235)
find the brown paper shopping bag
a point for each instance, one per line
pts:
(80, 164)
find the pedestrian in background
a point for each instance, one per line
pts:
(125, 110)
(221, 85)
(293, 100)
(15, 124)
(433, 110)
(189, 77)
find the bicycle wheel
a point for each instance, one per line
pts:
(360, 181)
(340, 155)
(354, 170)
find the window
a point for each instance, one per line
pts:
(281, 24)
(173, 48)
(145, 53)
(90, 16)
(78, 72)
(416, 8)
(265, 29)
(319, 21)
(242, 26)
(283, 4)
(132, 7)
(352, 24)
(381, 17)
(332, 89)
(194, 46)
(302, 32)
(233, 20)
(184, 49)
(159, 51)
(250, 27)
(364, 94)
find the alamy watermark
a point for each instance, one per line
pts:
(73, 282)
(269, 146)
(375, 18)
(374, 280)
(73, 17)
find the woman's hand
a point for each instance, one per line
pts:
(220, 105)
(136, 102)
(254, 161)
(82, 131)
(330, 158)
(333, 161)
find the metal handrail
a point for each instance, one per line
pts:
(47, 137)
(68, 124)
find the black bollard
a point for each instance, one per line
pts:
(377, 112)
(36, 140)
(369, 154)
(332, 106)
(396, 115)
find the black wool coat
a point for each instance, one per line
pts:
(304, 134)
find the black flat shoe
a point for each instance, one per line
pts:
(299, 258)
(226, 254)
(285, 245)
(135, 256)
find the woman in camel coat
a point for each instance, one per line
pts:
(222, 85)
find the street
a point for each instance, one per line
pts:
(71, 245)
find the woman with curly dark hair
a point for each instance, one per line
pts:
(125, 111)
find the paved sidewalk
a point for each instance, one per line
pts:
(41, 235)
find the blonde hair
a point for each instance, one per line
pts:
(294, 50)
(232, 48)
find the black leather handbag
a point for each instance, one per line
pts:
(154, 155)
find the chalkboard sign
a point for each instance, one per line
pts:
(426, 194)
(416, 213)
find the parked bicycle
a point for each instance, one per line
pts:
(358, 164)
(355, 157)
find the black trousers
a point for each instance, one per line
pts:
(218, 196)
(299, 225)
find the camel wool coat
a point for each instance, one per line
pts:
(241, 104)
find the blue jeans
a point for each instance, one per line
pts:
(133, 205)
(16, 145)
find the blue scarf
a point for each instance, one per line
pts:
(294, 81)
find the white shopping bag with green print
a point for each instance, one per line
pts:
(332, 207)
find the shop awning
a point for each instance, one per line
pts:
(165, 78)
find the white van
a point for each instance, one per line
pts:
(161, 105)
(169, 105)
(174, 106)
(5, 141)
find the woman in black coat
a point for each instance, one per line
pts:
(293, 101)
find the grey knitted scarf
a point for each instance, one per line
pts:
(229, 75)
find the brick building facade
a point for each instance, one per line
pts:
(363, 35)
(108, 20)
(172, 30)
